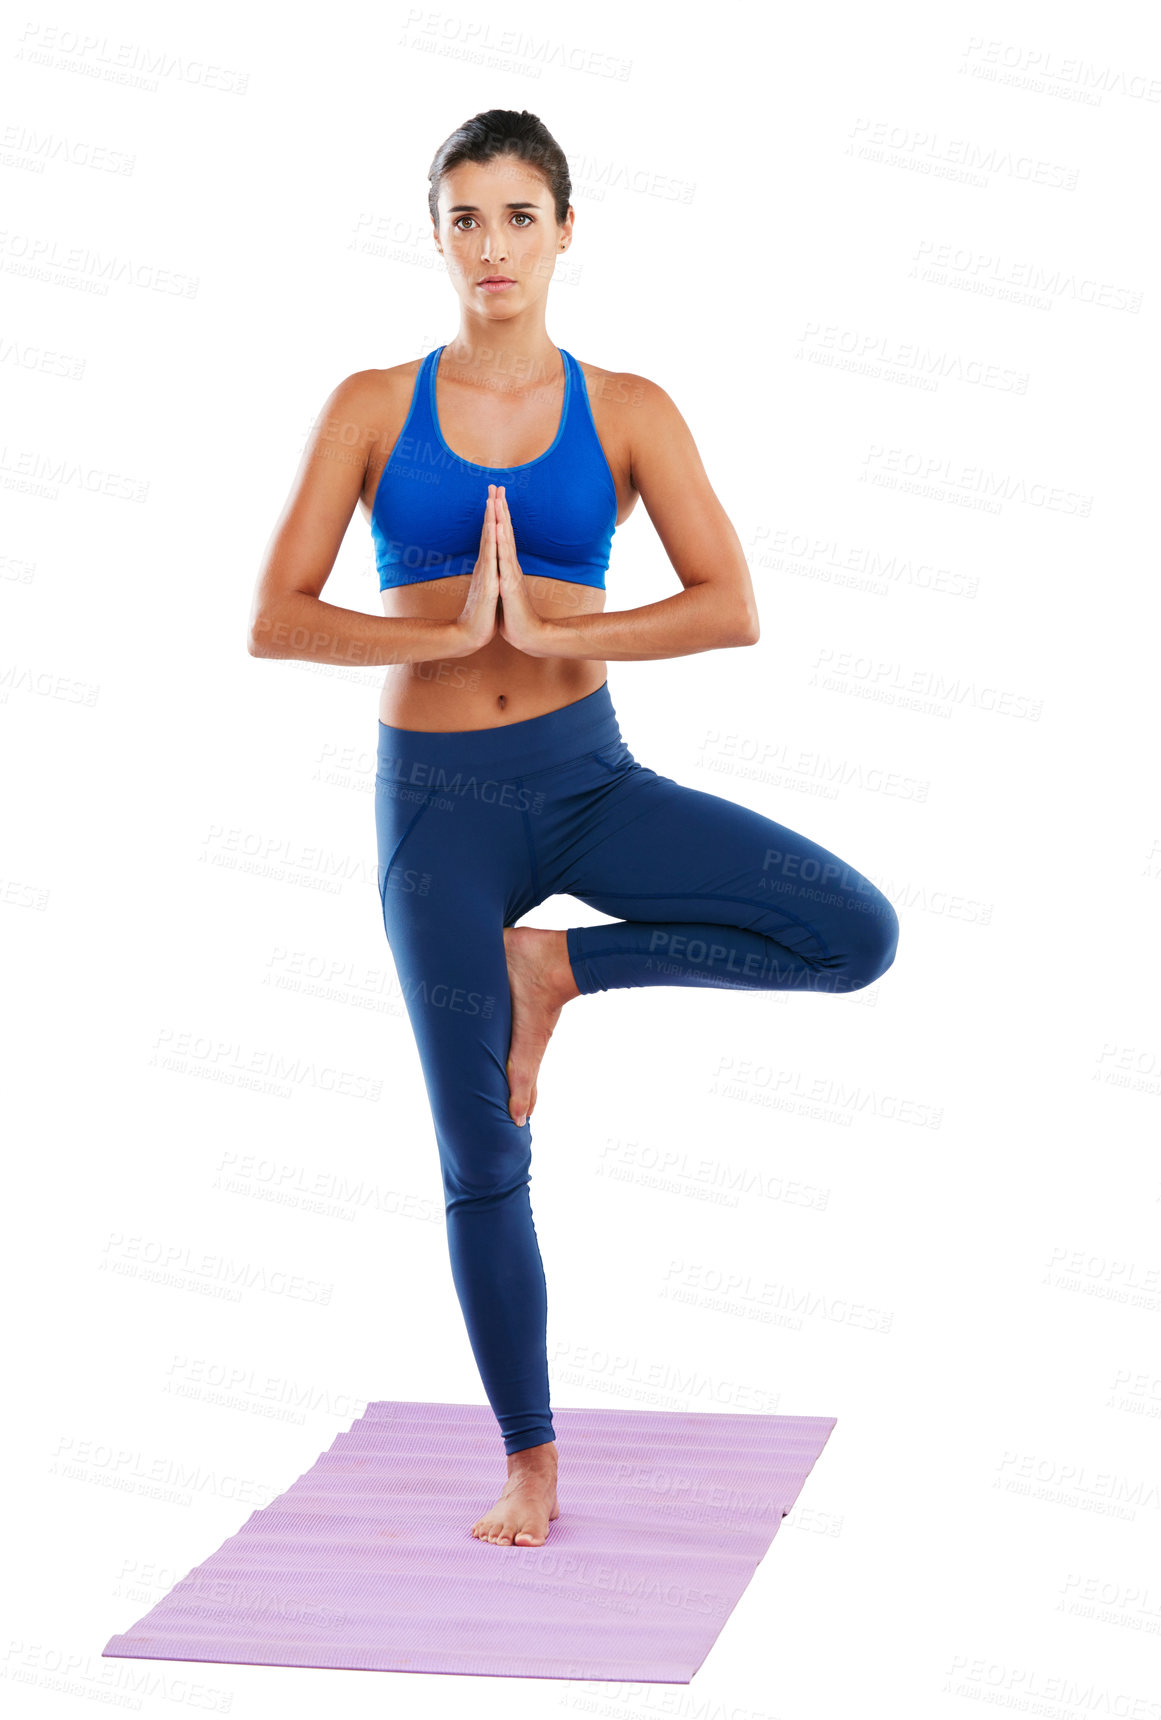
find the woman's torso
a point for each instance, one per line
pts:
(484, 426)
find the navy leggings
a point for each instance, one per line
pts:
(475, 828)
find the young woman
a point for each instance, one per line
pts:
(493, 473)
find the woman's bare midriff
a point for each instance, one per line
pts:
(495, 685)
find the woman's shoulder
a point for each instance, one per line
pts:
(616, 386)
(375, 384)
(368, 407)
(635, 407)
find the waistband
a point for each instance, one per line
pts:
(512, 749)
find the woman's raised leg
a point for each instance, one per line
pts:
(711, 893)
(708, 893)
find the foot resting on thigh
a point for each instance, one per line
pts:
(521, 1515)
(541, 981)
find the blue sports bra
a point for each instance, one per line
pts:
(428, 510)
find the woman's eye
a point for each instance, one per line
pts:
(523, 216)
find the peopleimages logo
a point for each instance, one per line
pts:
(491, 790)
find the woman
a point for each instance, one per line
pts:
(493, 473)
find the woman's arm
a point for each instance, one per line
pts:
(287, 618)
(300, 626)
(717, 607)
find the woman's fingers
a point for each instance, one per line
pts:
(505, 540)
(486, 563)
(498, 536)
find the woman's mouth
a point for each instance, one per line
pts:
(495, 283)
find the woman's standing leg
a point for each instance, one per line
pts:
(450, 875)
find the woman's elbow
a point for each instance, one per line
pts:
(263, 635)
(747, 630)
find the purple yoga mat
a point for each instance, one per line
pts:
(368, 1560)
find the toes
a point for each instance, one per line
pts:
(517, 1103)
(497, 1536)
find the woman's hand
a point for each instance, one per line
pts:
(520, 624)
(477, 619)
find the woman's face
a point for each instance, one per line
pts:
(496, 218)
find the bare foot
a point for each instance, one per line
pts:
(541, 981)
(521, 1515)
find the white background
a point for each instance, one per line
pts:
(893, 264)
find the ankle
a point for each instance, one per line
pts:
(533, 1457)
(566, 986)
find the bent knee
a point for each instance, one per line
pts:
(874, 950)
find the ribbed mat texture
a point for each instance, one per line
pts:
(368, 1560)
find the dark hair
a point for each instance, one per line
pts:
(503, 131)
